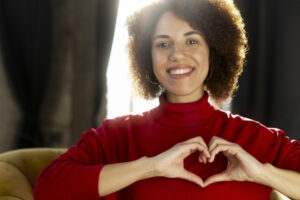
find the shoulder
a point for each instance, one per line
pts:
(256, 138)
(246, 124)
(238, 119)
(125, 121)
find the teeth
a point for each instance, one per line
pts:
(180, 71)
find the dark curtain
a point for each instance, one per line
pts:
(106, 20)
(106, 14)
(25, 38)
(56, 55)
(91, 81)
(269, 87)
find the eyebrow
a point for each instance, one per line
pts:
(191, 33)
(186, 34)
(161, 36)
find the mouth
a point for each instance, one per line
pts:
(180, 71)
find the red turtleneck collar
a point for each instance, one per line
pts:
(184, 114)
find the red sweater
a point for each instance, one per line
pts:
(74, 175)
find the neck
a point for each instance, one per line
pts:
(184, 114)
(173, 98)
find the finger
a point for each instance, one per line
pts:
(202, 158)
(216, 141)
(200, 140)
(187, 149)
(216, 178)
(192, 177)
(219, 148)
(197, 139)
(205, 158)
(205, 155)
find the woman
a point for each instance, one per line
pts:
(184, 51)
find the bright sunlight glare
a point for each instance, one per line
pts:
(119, 98)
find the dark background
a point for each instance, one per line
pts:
(270, 85)
(54, 56)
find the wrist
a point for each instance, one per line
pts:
(146, 164)
(264, 174)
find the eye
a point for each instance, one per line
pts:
(162, 45)
(190, 42)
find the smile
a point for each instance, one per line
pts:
(180, 71)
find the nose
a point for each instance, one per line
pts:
(176, 53)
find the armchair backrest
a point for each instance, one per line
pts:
(19, 170)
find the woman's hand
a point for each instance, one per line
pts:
(170, 163)
(241, 165)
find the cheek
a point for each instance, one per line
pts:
(158, 72)
(202, 58)
(157, 57)
(158, 61)
(154, 60)
(155, 64)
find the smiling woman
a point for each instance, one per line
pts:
(185, 52)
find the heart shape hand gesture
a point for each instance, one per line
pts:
(241, 165)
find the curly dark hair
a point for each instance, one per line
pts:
(220, 23)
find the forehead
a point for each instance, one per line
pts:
(169, 23)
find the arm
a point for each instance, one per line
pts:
(244, 167)
(115, 177)
(73, 175)
(82, 172)
(169, 164)
(285, 181)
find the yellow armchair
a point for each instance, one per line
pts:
(19, 170)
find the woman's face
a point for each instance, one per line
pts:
(180, 58)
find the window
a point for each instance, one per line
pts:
(119, 98)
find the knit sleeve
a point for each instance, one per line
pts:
(74, 175)
(288, 155)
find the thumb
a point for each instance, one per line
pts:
(216, 178)
(191, 177)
